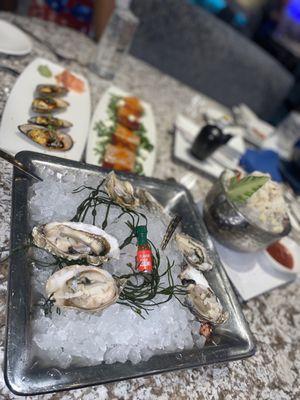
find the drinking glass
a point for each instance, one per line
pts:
(115, 42)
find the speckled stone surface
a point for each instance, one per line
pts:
(274, 318)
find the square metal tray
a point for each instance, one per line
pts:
(234, 340)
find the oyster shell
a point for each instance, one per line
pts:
(147, 200)
(193, 251)
(83, 287)
(48, 105)
(51, 139)
(201, 299)
(122, 192)
(51, 90)
(46, 121)
(76, 241)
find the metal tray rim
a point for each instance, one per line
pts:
(247, 345)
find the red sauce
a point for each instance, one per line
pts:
(281, 254)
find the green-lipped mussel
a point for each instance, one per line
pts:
(48, 105)
(51, 90)
(49, 138)
(47, 121)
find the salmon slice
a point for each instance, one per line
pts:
(125, 137)
(70, 81)
(119, 158)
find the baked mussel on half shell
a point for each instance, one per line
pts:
(76, 241)
(47, 121)
(48, 104)
(83, 287)
(51, 90)
(49, 138)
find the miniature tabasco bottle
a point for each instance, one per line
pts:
(144, 261)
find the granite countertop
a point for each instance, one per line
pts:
(274, 318)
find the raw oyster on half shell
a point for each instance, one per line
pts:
(201, 299)
(83, 287)
(76, 241)
(193, 251)
(120, 191)
(126, 195)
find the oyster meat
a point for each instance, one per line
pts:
(201, 299)
(83, 287)
(51, 90)
(51, 139)
(122, 192)
(193, 251)
(48, 105)
(52, 121)
(76, 241)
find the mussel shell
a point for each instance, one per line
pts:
(51, 90)
(50, 139)
(44, 120)
(48, 104)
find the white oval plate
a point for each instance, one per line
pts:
(13, 41)
(18, 110)
(294, 249)
(100, 114)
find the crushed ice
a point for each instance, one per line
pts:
(117, 334)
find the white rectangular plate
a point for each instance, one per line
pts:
(100, 114)
(18, 110)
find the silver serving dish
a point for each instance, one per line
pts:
(29, 376)
(230, 227)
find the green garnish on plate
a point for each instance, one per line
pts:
(241, 190)
(45, 71)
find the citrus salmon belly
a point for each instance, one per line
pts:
(125, 137)
(119, 158)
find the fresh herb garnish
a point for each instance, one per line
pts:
(145, 143)
(241, 190)
(45, 71)
(138, 168)
(112, 107)
(104, 133)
